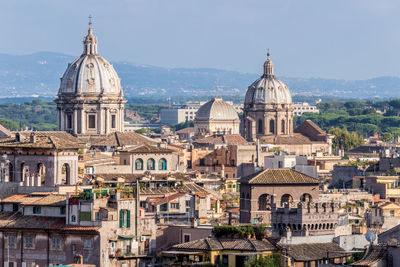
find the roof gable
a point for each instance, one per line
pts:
(311, 130)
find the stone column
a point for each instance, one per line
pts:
(99, 120)
(121, 119)
(107, 121)
(38, 180)
(75, 121)
(62, 119)
(83, 121)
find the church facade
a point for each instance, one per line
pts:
(90, 99)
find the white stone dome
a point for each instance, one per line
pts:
(268, 89)
(216, 110)
(90, 73)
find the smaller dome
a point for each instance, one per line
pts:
(216, 110)
(268, 89)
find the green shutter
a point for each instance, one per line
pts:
(121, 218)
(128, 218)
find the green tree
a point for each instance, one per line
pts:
(258, 261)
(345, 140)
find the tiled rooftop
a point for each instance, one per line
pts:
(315, 251)
(279, 176)
(226, 244)
(43, 140)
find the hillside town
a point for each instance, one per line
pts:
(242, 187)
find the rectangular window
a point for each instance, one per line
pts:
(225, 259)
(175, 206)
(92, 122)
(37, 209)
(29, 242)
(11, 241)
(69, 121)
(88, 243)
(15, 207)
(56, 243)
(186, 238)
(124, 218)
(164, 207)
(113, 121)
(97, 216)
(62, 210)
(187, 203)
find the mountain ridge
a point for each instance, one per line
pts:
(38, 74)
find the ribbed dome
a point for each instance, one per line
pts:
(268, 89)
(216, 110)
(90, 73)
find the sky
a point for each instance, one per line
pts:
(340, 39)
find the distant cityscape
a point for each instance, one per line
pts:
(90, 179)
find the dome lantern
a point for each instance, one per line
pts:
(268, 67)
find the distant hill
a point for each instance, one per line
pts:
(39, 75)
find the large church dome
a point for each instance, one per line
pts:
(216, 109)
(90, 100)
(268, 89)
(90, 73)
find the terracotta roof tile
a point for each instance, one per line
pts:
(143, 149)
(226, 244)
(159, 201)
(186, 130)
(374, 255)
(43, 140)
(315, 251)
(279, 176)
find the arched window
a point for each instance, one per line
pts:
(264, 202)
(260, 126)
(162, 164)
(286, 198)
(283, 126)
(11, 172)
(65, 174)
(41, 173)
(151, 164)
(139, 164)
(272, 126)
(306, 198)
(24, 172)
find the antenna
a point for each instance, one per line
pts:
(370, 236)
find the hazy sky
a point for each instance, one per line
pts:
(307, 38)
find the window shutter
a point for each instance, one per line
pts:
(121, 218)
(128, 219)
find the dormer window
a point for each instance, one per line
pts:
(37, 209)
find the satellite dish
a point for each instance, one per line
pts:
(370, 236)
